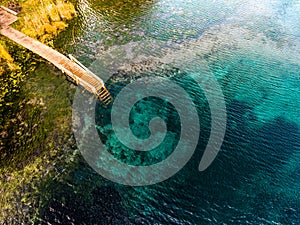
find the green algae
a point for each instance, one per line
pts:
(35, 128)
(41, 145)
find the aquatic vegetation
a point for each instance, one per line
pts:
(45, 19)
(10, 78)
(4, 55)
(36, 141)
(35, 126)
(119, 12)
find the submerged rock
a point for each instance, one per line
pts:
(133, 71)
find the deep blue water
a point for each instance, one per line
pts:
(252, 49)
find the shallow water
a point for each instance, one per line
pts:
(252, 49)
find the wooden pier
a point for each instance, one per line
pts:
(72, 68)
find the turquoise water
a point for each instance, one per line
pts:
(252, 49)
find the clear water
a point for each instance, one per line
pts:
(252, 48)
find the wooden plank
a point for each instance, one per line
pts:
(9, 10)
(6, 18)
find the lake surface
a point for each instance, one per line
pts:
(252, 48)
